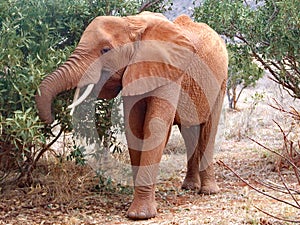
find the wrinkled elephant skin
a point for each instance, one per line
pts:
(168, 73)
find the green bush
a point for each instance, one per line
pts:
(35, 38)
(242, 73)
(266, 31)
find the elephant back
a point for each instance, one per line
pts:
(206, 75)
(209, 45)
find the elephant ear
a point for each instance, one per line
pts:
(162, 54)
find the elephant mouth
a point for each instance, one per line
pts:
(77, 101)
(115, 87)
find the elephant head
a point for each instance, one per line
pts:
(115, 52)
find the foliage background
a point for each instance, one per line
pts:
(258, 33)
(35, 38)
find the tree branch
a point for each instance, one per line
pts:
(275, 187)
(276, 153)
(295, 168)
(49, 145)
(147, 5)
(256, 189)
(275, 12)
(239, 94)
(289, 191)
(275, 217)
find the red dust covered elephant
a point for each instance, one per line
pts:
(168, 73)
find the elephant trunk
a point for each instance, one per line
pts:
(66, 77)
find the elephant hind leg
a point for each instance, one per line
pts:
(207, 140)
(199, 142)
(206, 149)
(191, 139)
(200, 172)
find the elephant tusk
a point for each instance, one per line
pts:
(76, 95)
(86, 93)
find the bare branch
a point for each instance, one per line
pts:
(49, 145)
(276, 153)
(256, 189)
(147, 5)
(239, 94)
(275, 187)
(275, 12)
(278, 218)
(295, 168)
(287, 188)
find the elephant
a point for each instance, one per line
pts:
(168, 73)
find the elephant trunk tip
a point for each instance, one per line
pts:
(43, 103)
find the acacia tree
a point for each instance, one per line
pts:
(269, 30)
(242, 73)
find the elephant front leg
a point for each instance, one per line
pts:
(147, 123)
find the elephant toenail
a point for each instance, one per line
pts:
(142, 215)
(131, 215)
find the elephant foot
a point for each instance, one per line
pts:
(144, 204)
(191, 183)
(209, 188)
(208, 182)
(142, 209)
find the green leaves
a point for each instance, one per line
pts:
(26, 129)
(268, 31)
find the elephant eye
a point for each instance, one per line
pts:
(104, 50)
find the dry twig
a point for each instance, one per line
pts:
(147, 5)
(277, 153)
(297, 206)
(275, 187)
(256, 189)
(288, 189)
(276, 217)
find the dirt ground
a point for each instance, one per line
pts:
(68, 194)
